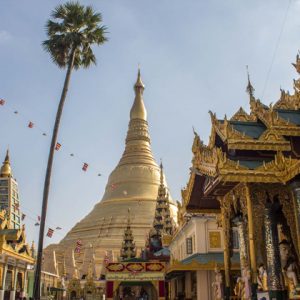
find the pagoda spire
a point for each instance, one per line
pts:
(250, 89)
(162, 223)
(128, 249)
(6, 168)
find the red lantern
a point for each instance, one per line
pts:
(30, 124)
(85, 167)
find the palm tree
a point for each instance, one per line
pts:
(72, 30)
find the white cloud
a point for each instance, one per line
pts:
(5, 36)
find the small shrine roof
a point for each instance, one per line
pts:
(252, 129)
(292, 116)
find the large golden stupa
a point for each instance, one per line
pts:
(133, 185)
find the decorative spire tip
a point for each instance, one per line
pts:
(250, 89)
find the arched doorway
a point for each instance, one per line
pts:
(136, 290)
(19, 285)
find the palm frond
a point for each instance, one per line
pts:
(74, 27)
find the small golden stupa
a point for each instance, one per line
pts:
(133, 185)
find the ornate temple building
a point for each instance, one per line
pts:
(16, 257)
(250, 172)
(133, 185)
(9, 194)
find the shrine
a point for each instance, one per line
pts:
(250, 168)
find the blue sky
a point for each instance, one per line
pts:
(192, 55)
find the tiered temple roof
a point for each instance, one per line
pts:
(260, 146)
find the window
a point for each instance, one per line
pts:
(189, 245)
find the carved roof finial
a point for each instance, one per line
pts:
(297, 64)
(161, 172)
(250, 89)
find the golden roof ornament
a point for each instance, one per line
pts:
(6, 168)
(250, 89)
(297, 64)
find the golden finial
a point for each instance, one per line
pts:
(6, 169)
(128, 217)
(161, 172)
(138, 110)
(250, 89)
(139, 83)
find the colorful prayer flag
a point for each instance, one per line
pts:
(2, 101)
(57, 146)
(30, 124)
(50, 232)
(85, 167)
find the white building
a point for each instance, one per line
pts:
(195, 250)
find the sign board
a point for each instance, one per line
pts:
(140, 276)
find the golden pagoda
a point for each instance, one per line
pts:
(133, 185)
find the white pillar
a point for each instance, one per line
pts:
(3, 282)
(24, 291)
(12, 295)
(203, 287)
(188, 285)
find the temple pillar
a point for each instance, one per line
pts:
(24, 288)
(252, 251)
(12, 295)
(244, 256)
(226, 234)
(3, 278)
(188, 285)
(295, 187)
(203, 287)
(272, 253)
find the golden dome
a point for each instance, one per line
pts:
(6, 169)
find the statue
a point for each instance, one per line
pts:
(289, 266)
(246, 278)
(239, 287)
(262, 278)
(218, 284)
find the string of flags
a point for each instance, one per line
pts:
(58, 146)
(50, 231)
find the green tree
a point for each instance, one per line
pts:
(72, 30)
